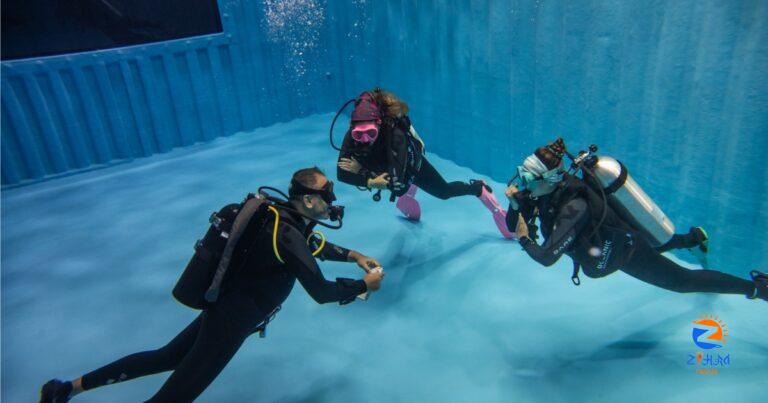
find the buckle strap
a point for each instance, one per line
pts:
(575, 276)
(261, 328)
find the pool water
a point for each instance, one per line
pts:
(89, 262)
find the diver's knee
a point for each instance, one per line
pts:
(673, 282)
(440, 194)
(168, 358)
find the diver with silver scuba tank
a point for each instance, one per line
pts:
(604, 222)
(381, 150)
(242, 271)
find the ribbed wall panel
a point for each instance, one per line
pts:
(677, 90)
(64, 114)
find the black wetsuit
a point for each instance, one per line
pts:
(199, 353)
(568, 220)
(375, 160)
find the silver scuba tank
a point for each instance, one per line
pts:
(632, 204)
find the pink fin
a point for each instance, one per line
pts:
(499, 214)
(408, 205)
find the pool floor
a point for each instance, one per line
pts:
(89, 261)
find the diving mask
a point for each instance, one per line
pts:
(530, 181)
(325, 193)
(365, 132)
(336, 213)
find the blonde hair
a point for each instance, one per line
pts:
(391, 106)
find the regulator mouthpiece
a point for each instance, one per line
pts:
(336, 213)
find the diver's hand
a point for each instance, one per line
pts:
(350, 164)
(379, 182)
(522, 228)
(365, 262)
(373, 280)
(368, 263)
(511, 192)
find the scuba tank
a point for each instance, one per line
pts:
(202, 268)
(202, 278)
(624, 195)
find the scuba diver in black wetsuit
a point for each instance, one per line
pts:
(381, 150)
(579, 222)
(263, 267)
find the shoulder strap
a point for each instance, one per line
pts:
(595, 205)
(250, 209)
(415, 135)
(392, 162)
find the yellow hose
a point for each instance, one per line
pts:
(274, 234)
(322, 242)
(274, 237)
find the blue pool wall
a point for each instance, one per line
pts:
(676, 90)
(68, 113)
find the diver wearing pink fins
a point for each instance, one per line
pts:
(603, 220)
(381, 150)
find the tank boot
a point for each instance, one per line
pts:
(55, 391)
(761, 285)
(489, 201)
(408, 205)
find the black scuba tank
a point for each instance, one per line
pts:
(199, 273)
